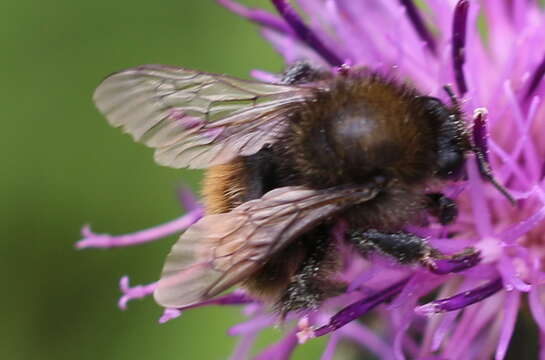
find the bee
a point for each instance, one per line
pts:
(286, 162)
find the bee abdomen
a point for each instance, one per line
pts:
(224, 187)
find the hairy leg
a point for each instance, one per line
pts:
(310, 286)
(404, 247)
(442, 207)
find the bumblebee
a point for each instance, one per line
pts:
(285, 163)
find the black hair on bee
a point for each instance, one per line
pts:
(285, 162)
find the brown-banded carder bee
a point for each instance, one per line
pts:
(285, 162)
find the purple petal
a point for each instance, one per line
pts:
(169, 314)
(369, 339)
(398, 341)
(188, 199)
(359, 308)
(461, 300)
(531, 158)
(457, 263)
(258, 16)
(255, 324)
(459, 24)
(357, 33)
(512, 234)
(243, 347)
(535, 79)
(480, 205)
(135, 292)
(513, 166)
(439, 326)
(329, 351)
(292, 49)
(92, 240)
(474, 322)
(510, 311)
(265, 76)
(536, 306)
(416, 19)
(521, 146)
(141, 291)
(282, 350)
(304, 33)
(480, 133)
(237, 297)
(362, 278)
(510, 275)
(402, 307)
(443, 330)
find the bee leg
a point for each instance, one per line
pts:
(486, 173)
(404, 247)
(309, 287)
(442, 207)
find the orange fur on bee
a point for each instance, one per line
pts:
(223, 187)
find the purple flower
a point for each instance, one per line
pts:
(493, 52)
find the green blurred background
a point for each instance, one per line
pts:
(63, 166)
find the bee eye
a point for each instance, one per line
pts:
(450, 157)
(429, 102)
(434, 107)
(449, 163)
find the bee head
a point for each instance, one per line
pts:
(451, 140)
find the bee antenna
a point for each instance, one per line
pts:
(450, 92)
(486, 173)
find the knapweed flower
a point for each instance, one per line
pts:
(493, 52)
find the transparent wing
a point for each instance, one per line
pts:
(222, 250)
(195, 119)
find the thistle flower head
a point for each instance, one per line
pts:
(494, 55)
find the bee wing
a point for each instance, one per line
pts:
(195, 119)
(222, 250)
